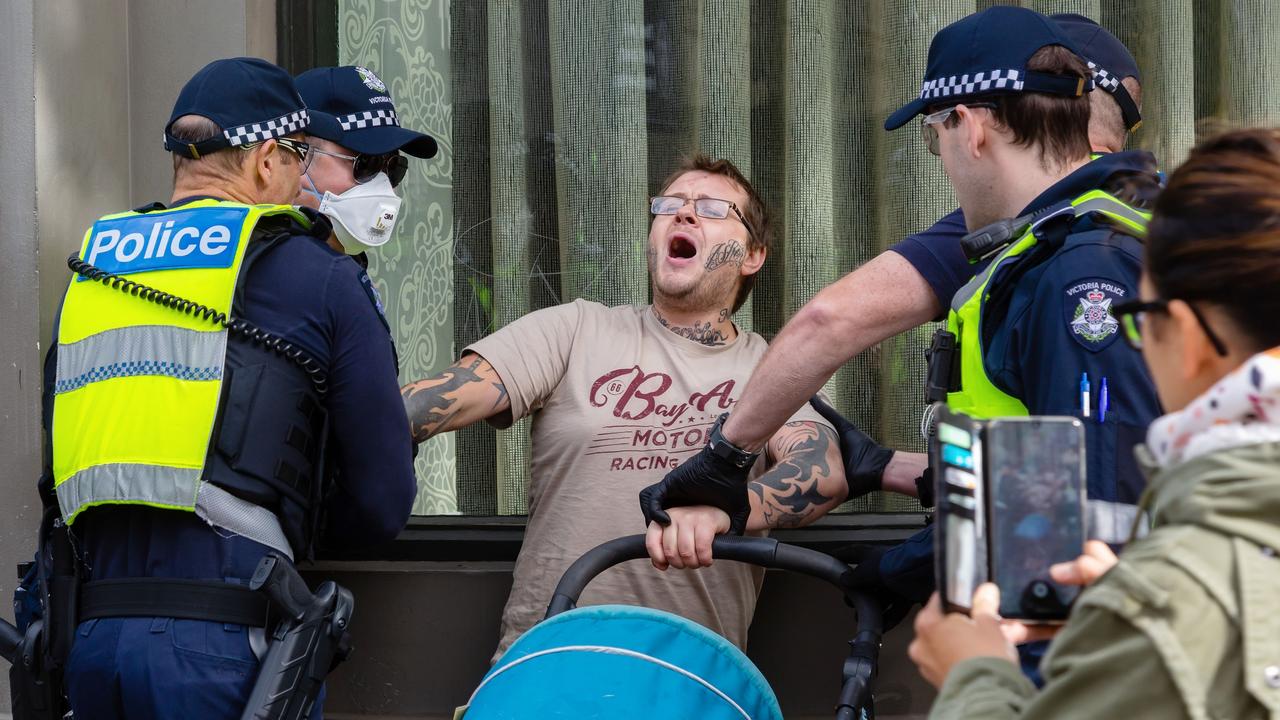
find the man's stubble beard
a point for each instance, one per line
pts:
(704, 295)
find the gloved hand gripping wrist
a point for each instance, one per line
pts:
(704, 479)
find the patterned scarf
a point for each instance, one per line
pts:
(1242, 408)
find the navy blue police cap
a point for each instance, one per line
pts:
(351, 107)
(986, 54)
(1108, 59)
(249, 98)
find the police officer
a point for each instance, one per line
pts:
(184, 449)
(1014, 140)
(357, 139)
(907, 285)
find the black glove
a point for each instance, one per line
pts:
(704, 479)
(866, 578)
(864, 458)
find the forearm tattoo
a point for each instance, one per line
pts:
(432, 402)
(701, 333)
(790, 491)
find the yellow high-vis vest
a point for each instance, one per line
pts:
(138, 383)
(978, 396)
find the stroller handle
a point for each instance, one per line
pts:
(764, 552)
(864, 650)
(10, 641)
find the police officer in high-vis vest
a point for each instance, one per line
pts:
(1005, 107)
(222, 387)
(1061, 237)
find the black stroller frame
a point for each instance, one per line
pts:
(856, 701)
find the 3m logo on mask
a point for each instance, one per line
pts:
(200, 238)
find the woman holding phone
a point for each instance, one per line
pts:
(1187, 622)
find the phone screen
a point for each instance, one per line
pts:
(1037, 502)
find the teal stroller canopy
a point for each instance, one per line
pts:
(624, 663)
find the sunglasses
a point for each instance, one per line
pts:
(713, 208)
(303, 150)
(1133, 316)
(929, 132)
(365, 167)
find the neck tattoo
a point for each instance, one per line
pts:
(703, 333)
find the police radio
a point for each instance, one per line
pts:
(987, 241)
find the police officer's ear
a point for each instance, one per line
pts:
(266, 160)
(973, 131)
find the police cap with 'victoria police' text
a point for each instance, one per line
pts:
(986, 54)
(251, 99)
(351, 106)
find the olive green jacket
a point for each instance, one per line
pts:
(1186, 625)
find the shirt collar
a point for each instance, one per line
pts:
(1093, 175)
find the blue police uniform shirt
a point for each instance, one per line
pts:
(314, 297)
(936, 254)
(1047, 339)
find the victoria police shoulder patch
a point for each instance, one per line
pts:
(1087, 306)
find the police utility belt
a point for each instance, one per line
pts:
(174, 598)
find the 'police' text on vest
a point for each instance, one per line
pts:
(198, 238)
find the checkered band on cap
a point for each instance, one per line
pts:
(257, 132)
(970, 84)
(368, 119)
(1104, 79)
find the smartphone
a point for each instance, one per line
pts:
(1036, 511)
(960, 545)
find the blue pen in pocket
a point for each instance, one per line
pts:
(1084, 394)
(1104, 401)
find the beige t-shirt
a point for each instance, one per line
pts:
(618, 400)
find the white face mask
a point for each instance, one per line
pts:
(364, 217)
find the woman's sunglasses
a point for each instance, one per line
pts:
(1133, 316)
(365, 167)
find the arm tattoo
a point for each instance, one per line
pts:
(430, 403)
(703, 333)
(790, 492)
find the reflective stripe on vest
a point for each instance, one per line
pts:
(138, 384)
(1114, 522)
(978, 397)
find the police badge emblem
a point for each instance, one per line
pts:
(371, 81)
(1090, 319)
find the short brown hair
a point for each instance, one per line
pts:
(1105, 115)
(760, 230)
(1056, 125)
(1215, 233)
(194, 128)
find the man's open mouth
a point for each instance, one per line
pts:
(682, 248)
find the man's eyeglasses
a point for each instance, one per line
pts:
(365, 167)
(303, 150)
(713, 208)
(927, 123)
(1133, 316)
